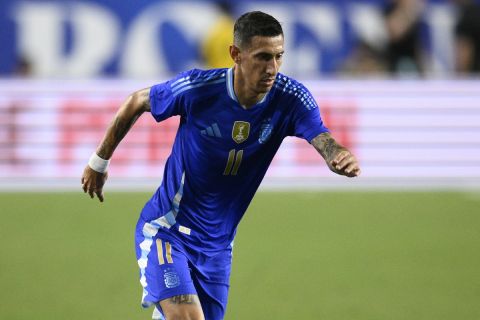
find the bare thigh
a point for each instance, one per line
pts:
(182, 307)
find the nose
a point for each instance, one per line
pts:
(272, 66)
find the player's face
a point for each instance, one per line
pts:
(260, 62)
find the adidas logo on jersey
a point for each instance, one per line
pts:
(212, 131)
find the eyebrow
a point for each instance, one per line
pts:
(264, 53)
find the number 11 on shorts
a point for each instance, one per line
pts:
(233, 162)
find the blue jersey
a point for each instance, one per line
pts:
(221, 152)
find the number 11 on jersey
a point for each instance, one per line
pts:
(233, 162)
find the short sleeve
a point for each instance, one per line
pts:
(308, 123)
(165, 101)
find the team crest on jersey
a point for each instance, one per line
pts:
(171, 278)
(240, 131)
(265, 131)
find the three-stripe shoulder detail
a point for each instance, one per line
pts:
(189, 82)
(295, 89)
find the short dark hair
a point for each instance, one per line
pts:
(255, 23)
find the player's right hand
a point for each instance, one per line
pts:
(93, 181)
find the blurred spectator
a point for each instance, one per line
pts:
(467, 37)
(364, 60)
(403, 51)
(219, 38)
(23, 67)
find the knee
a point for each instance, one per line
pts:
(182, 307)
(181, 314)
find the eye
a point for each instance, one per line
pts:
(265, 57)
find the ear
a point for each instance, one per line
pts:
(235, 54)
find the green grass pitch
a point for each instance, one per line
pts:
(310, 255)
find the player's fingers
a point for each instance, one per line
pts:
(85, 185)
(352, 170)
(91, 191)
(339, 157)
(345, 162)
(99, 194)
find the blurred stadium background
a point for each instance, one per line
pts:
(396, 81)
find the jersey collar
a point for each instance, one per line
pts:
(230, 91)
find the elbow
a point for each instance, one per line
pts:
(140, 101)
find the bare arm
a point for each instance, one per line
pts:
(464, 54)
(403, 17)
(338, 158)
(131, 109)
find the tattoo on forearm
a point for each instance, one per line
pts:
(122, 127)
(183, 299)
(337, 157)
(126, 117)
(327, 146)
(119, 129)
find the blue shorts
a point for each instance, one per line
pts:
(168, 268)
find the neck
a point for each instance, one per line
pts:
(245, 95)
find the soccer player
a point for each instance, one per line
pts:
(232, 122)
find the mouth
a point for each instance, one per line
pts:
(268, 81)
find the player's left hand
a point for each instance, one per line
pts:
(345, 164)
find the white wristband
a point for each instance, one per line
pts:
(98, 164)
